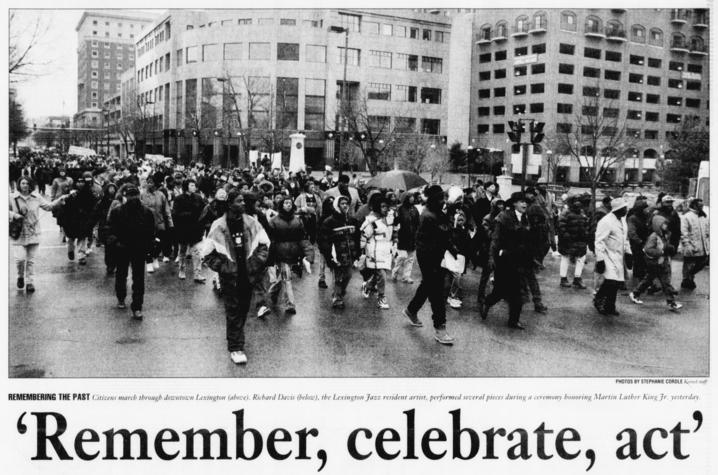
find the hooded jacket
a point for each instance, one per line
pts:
(695, 234)
(637, 221)
(187, 210)
(658, 244)
(573, 232)
(219, 251)
(289, 240)
(338, 236)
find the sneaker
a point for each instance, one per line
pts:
(263, 310)
(442, 337)
(578, 283)
(20, 282)
(29, 288)
(365, 290)
(182, 275)
(121, 305)
(155, 264)
(322, 284)
(71, 255)
(540, 308)
(238, 357)
(137, 315)
(413, 318)
(150, 268)
(674, 306)
(382, 303)
(337, 302)
(290, 311)
(454, 303)
(82, 261)
(165, 259)
(564, 282)
(634, 299)
(200, 279)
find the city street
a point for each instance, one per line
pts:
(70, 328)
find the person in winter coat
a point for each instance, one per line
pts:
(482, 245)
(512, 254)
(539, 230)
(79, 218)
(453, 271)
(339, 245)
(377, 238)
(61, 185)
(236, 248)
(327, 211)
(612, 251)
(666, 210)
(638, 231)
(157, 202)
(482, 203)
(433, 239)
(309, 210)
(573, 243)
(26, 204)
(658, 251)
(408, 221)
(131, 234)
(695, 241)
(186, 213)
(109, 194)
(289, 246)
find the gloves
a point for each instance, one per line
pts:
(600, 267)
(629, 261)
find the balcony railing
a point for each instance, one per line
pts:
(679, 15)
(484, 37)
(700, 50)
(593, 30)
(501, 34)
(679, 46)
(700, 19)
(538, 26)
(521, 30)
(615, 34)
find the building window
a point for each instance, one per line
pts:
(432, 126)
(94, 104)
(612, 75)
(93, 84)
(378, 91)
(653, 99)
(95, 54)
(371, 27)
(430, 95)
(316, 54)
(635, 78)
(232, 51)
(431, 65)
(589, 91)
(520, 70)
(610, 112)
(405, 125)
(614, 56)
(673, 118)
(259, 51)
(484, 111)
(484, 93)
(693, 103)
(568, 21)
(592, 53)
(655, 37)
(653, 81)
(634, 115)
(538, 49)
(519, 90)
(484, 75)
(244, 21)
(638, 34)
(499, 74)
(519, 109)
(536, 108)
(485, 33)
(498, 128)
(426, 35)
(694, 68)
(288, 51)
(407, 62)
(482, 128)
(522, 51)
(564, 108)
(210, 53)
(593, 25)
(693, 85)
(287, 103)
(314, 99)
(635, 96)
(387, 29)
(400, 31)
(502, 29)
(591, 72)
(405, 93)
(499, 92)
(654, 63)
(288, 22)
(537, 88)
(94, 74)
(563, 128)
(565, 88)
(675, 83)
(94, 22)
(565, 48)
(637, 60)
(265, 21)
(380, 59)
(564, 68)
(538, 68)
(485, 58)
(650, 134)
(499, 110)
(675, 66)
(94, 95)
(350, 22)
(500, 55)
(414, 33)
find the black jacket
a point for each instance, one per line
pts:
(341, 232)
(511, 242)
(408, 224)
(132, 229)
(289, 241)
(186, 213)
(433, 238)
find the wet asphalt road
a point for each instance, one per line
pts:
(69, 328)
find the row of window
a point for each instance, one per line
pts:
(355, 23)
(157, 66)
(108, 55)
(107, 23)
(383, 92)
(158, 35)
(107, 34)
(94, 64)
(609, 112)
(108, 45)
(260, 21)
(567, 128)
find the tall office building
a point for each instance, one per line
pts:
(648, 67)
(105, 49)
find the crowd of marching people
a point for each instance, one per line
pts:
(256, 230)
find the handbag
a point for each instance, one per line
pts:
(16, 223)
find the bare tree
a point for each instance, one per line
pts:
(23, 41)
(422, 154)
(597, 138)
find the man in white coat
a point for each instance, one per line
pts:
(611, 244)
(695, 241)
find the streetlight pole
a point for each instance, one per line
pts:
(342, 107)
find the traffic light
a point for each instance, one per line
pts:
(329, 135)
(515, 148)
(538, 149)
(515, 133)
(537, 132)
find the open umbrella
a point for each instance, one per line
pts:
(396, 180)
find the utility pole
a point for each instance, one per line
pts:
(342, 107)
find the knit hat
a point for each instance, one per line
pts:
(432, 191)
(618, 203)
